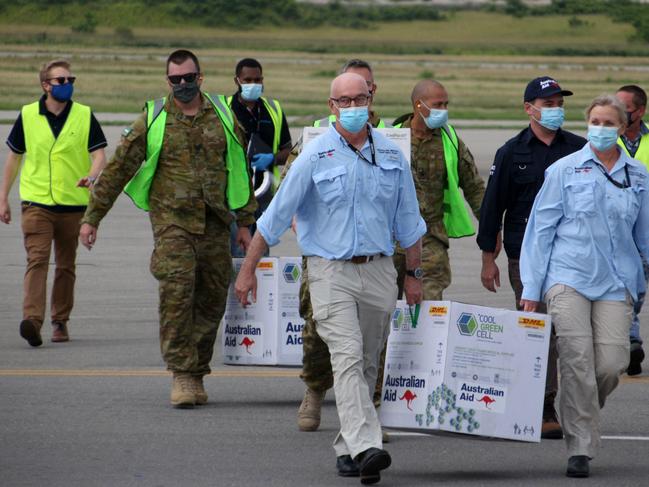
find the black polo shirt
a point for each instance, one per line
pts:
(515, 178)
(258, 120)
(16, 142)
(16, 139)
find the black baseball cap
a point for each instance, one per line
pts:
(543, 87)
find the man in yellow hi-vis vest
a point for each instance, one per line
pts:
(267, 136)
(63, 145)
(635, 142)
(193, 178)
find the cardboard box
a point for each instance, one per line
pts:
(268, 332)
(466, 369)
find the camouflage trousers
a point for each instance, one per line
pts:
(194, 273)
(316, 363)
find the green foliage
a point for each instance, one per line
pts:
(426, 74)
(87, 25)
(516, 8)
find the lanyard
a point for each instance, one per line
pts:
(617, 184)
(360, 154)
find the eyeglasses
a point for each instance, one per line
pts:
(175, 79)
(62, 80)
(346, 102)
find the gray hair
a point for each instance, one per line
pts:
(608, 101)
(356, 63)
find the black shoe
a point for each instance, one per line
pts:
(577, 466)
(29, 330)
(550, 427)
(636, 357)
(346, 466)
(371, 462)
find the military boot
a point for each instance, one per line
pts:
(308, 416)
(199, 390)
(30, 330)
(182, 391)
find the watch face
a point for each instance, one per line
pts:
(419, 273)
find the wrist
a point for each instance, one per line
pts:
(416, 273)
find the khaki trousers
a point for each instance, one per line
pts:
(352, 306)
(40, 228)
(593, 344)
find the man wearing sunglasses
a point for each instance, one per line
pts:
(63, 148)
(268, 140)
(352, 195)
(441, 164)
(193, 180)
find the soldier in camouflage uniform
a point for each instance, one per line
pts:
(430, 133)
(189, 203)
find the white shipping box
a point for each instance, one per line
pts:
(466, 369)
(268, 332)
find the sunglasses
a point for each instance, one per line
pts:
(175, 79)
(62, 80)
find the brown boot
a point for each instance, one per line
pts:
(30, 330)
(182, 391)
(60, 331)
(308, 416)
(550, 428)
(199, 390)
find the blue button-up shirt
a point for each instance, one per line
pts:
(585, 232)
(344, 205)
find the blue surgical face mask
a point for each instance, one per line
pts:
(62, 93)
(551, 117)
(602, 138)
(436, 118)
(251, 91)
(353, 119)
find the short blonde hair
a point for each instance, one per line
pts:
(47, 67)
(608, 101)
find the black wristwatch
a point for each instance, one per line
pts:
(417, 273)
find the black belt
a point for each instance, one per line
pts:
(364, 259)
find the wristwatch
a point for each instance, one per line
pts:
(417, 273)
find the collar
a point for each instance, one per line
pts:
(430, 133)
(529, 136)
(42, 108)
(586, 155)
(172, 109)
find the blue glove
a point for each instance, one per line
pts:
(260, 162)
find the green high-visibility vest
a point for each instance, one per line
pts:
(325, 122)
(238, 186)
(457, 220)
(53, 166)
(642, 154)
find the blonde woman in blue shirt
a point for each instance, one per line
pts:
(581, 254)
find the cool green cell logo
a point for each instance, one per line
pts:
(397, 319)
(291, 273)
(467, 324)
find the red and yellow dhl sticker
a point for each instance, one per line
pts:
(528, 322)
(265, 265)
(437, 310)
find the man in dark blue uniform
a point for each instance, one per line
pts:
(515, 177)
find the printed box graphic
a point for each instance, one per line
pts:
(466, 369)
(268, 332)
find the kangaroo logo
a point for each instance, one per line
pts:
(247, 342)
(487, 401)
(408, 396)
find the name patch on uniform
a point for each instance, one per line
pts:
(126, 131)
(583, 169)
(327, 153)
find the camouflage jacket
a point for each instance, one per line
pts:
(429, 173)
(190, 177)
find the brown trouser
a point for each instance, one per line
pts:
(40, 228)
(551, 380)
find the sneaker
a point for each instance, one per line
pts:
(199, 390)
(31, 331)
(578, 466)
(60, 331)
(182, 391)
(370, 463)
(550, 427)
(308, 416)
(636, 356)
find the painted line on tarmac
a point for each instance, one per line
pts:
(141, 373)
(617, 438)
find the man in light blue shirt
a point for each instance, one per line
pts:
(353, 195)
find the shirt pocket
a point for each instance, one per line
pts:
(387, 185)
(330, 185)
(581, 199)
(634, 196)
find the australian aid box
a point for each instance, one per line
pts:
(466, 369)
(268, 332)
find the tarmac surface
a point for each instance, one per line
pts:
(95, 411)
